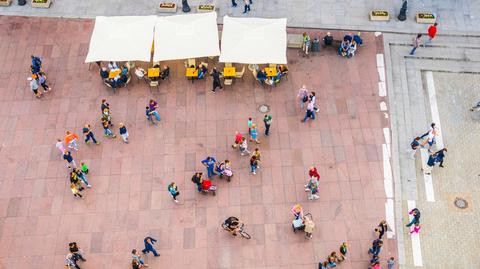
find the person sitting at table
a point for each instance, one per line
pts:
(262, 75)
(104, 73)
(358, 39)
(156, 65)
(123, 79)
(328, 39)
(283, 69)
(348, 38)
(112, 66)
(344, 47)
(351, 50)
(124, 70)
(202, 71)
(165, 72)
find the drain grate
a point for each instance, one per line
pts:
(460, 203)
(264, 108)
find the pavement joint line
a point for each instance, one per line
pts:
(415, 238)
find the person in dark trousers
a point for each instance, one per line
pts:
(104, 105)
(381, 229)
(197, 179)
(416, 43)
(149, 241)
(67, 156)
(414, 146)
(173, 190)
(439, 155)
(376, 247)
(216, 80)
(87, 131)
(416, 216)
(234, 4)
(268, 121)
(247, 6)
(73, 248)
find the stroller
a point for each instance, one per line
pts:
(223, 170)
(207, 187)
(305, 224)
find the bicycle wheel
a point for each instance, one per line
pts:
(245, 234)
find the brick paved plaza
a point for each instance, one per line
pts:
(129, 200)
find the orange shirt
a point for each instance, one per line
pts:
(70, 137)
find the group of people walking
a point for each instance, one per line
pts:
(38, 77)
(307, 99)
(428, 140)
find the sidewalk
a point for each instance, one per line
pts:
(453, 18)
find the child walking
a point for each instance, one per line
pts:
(173, 189)
(123, 132)
(61, 147)
(253, 165)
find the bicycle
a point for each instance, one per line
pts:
(240, 231)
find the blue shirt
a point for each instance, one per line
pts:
(210, 162)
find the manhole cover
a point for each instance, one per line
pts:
(264, 108)
(460, 203)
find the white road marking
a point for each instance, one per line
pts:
(381, 73)
(380, 62)
(382, 89)
(387, 173)
(383, 106)
(427, 178)
(386, 134)
(432, 97)
(389, 213)
(416, 247)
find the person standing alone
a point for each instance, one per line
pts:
(416, 43)
(216, 80)
(268, 121)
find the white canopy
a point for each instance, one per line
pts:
(254, 40)
(186, 36)
(123, 38)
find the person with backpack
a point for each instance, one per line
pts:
(414, 145)
(197, 179)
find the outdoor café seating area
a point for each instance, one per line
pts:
(148, 43)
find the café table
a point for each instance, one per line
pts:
(153, 72)
(229, 71)
(191, 72)
(271, 72)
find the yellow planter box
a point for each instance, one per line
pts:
(205, 8)
(426, 17)
(379, 15)
(168, 7)
(5, 3)
(41, 3)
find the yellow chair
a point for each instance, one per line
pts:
(228, 64)
(191, 62)
(240, 74)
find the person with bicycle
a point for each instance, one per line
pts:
(233, 224)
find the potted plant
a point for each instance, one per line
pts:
(41, 3)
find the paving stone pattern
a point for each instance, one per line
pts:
(455, 17)
(455, 71)
(39, 216)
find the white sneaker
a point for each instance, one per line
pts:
(89, 186)
(176, 201)
(254, 173)
(307, 189)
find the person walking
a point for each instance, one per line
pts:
(75, 190)
(76, 251)
(209, 163)
(415, 216)
(42, 80)
(84, 167)
(244, 147)
(254, 165)
(303, 96)
(310, 113)
(250, 123)
(391, 263)
(381, 229)
(247, 6)
(87, 131)
(34, 87)
(71, 261)
(434, 158)
(136, 257)
(216, 80)
(267, 120)
(123, 132)
(67, 156)
(82, 176)
(440, 155)
(234, 4)
(71, 140)
(149, 115)
(254, 133)
(416, 228)
(416, 43)
(197, 179)
(343, 251)
(149, 242)
(257, 154)
(104, 105)
(431, 32)
(414, 145)
(106, 129)
(376, 247)
(153, 109)
(238, 140)
(313, 187)
(173, 190)
(61, 147)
